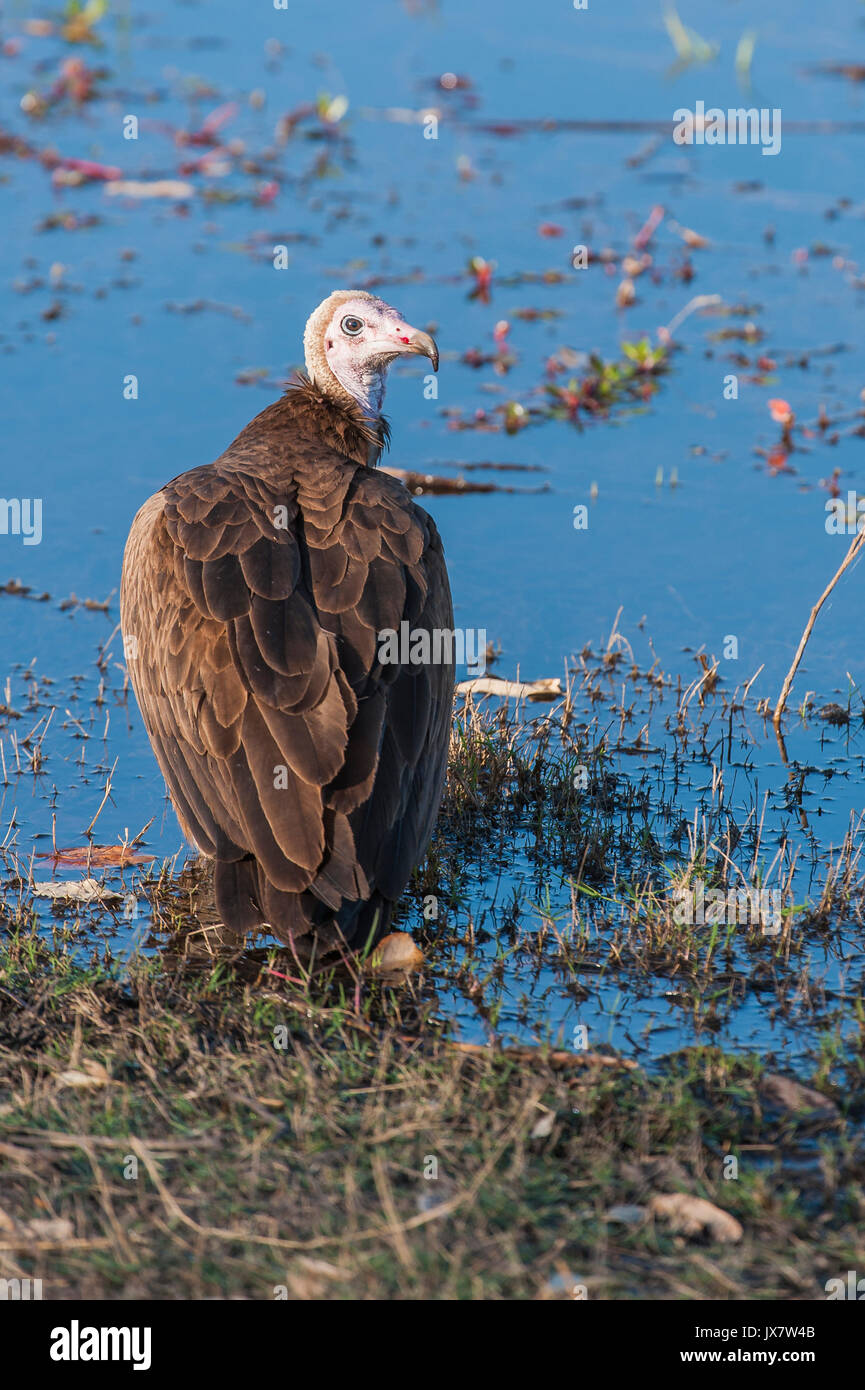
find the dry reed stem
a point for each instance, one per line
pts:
(855, 546)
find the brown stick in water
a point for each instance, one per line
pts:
(855, 546)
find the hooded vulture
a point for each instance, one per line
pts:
(298, 758)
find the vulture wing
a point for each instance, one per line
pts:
(252, 601)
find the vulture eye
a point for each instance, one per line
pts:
(351, 325)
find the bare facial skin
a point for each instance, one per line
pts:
(361, 340)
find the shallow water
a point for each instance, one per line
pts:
(185, 297)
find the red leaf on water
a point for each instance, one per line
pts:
(777, 460)
(99, 856)
(781, 412)
(650, 226)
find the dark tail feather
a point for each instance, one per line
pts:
(245, 900)
(235, 890)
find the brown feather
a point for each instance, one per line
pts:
(309, 772)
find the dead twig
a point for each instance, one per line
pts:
(855, 546)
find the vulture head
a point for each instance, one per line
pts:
(349, 343)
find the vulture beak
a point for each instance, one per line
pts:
(411, 340)
(423, 344)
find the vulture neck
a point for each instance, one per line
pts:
(358, 397)
(336, 419)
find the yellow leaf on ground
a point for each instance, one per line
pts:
(396, 952)
(694, 1216)
(49, 1228)
(92, 1074)
(543, 1127)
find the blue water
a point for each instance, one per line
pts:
(733, 550)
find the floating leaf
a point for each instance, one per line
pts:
(96, 856)
(781, 412)
(157, 188)
(85, 890)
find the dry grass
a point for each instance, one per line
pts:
(160, 1137)
(176, 1151)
